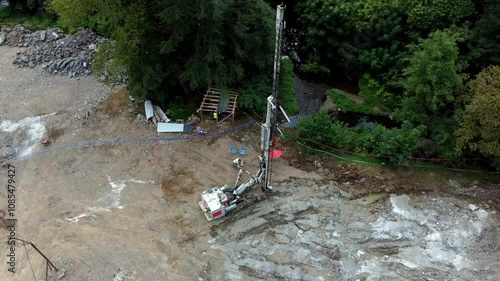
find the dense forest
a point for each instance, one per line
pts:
(433, 66)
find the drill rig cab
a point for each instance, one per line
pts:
(216, 202)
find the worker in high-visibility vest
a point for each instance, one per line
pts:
(216, 115)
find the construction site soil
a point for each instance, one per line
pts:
(128, 210)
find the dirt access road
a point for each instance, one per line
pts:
(128, 211)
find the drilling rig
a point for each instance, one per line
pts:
(216, 202)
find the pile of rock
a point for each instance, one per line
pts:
(56, 52)
(21, 36)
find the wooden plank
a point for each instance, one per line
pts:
(220, 121)
(155, 112)
(163, 115)
(157, 118)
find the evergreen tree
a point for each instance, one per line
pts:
(430, 78)
(169, 47)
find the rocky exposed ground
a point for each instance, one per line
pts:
(55, 51)
(313, 231)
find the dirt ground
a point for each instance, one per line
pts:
(129, 210)
(104, 209)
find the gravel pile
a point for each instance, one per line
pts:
(293, 121)
(310, 96)
(21, 36)
(56, 52)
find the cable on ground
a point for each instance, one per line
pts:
(100, 142)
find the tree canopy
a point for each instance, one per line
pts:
(436, 14)
(484, 44)
(172, 46)
(480, 121)
(430, 78)
(410, 59)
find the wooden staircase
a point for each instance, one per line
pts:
(220, 101)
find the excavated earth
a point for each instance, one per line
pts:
(128, 210)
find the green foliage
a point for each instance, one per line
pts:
(385, 61)
(25, 5)
(436, 14)
(328, 24)
(368, 12)
(106, 63)
(179, 109)
(376, 95)
(347, 104)
(448, 39)
(287, 89)
(363, 140)
(370, 36)
(314, 68)
(320, 128)
(442, 133)
(341, 136)
(35, 21)
(252, 93)
(222, 51)
(480, 120)
(147, 78)
(189, 45)
(393, 145)
(431, 77)
(101, 16)
(316, 127)
(356, 36)
(484, 43)
(397, 145)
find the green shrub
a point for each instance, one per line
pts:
(495, 163)
(397, 145)
(347, 104)
(314, 68)
(287, 90)
(317, 127)
(375, 94)
(442, 133)
(341, 136)
(104, 63)
(363, 140)
(253, 93)
(37, 21)
(320, 128)
(179, 109)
